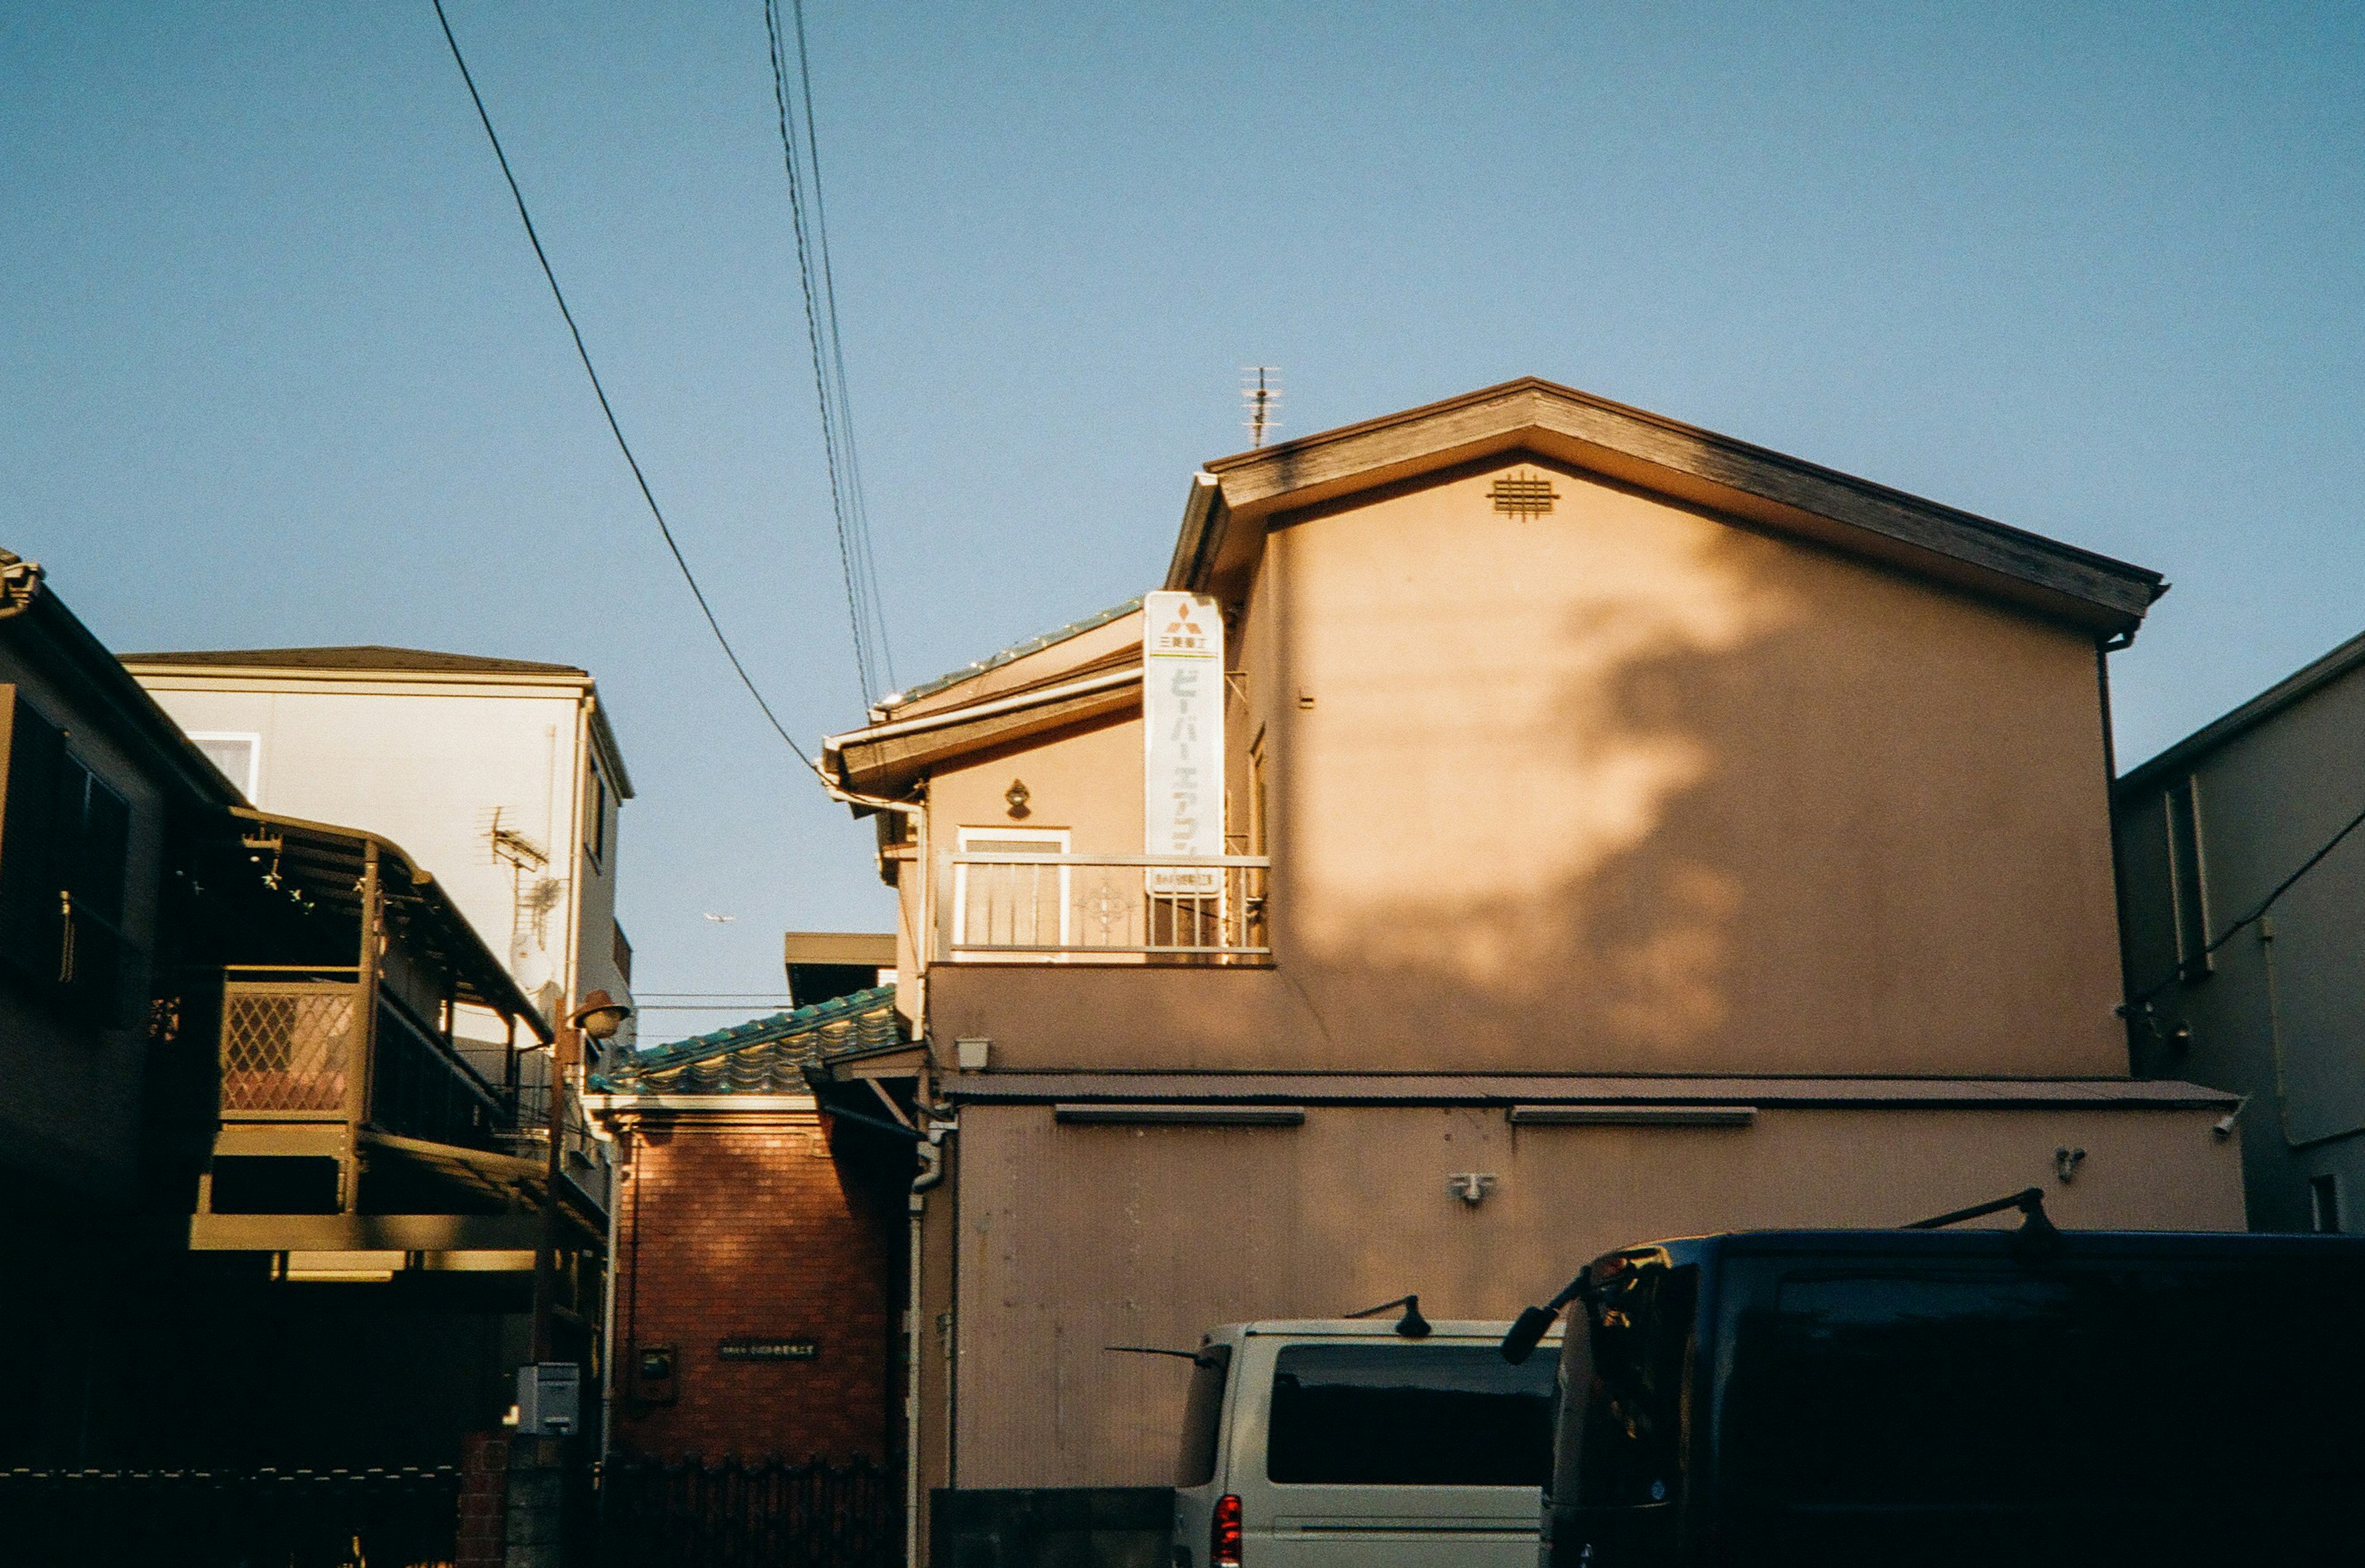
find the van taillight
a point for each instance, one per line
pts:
(1224, 1540)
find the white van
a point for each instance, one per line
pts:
(1337, 1443)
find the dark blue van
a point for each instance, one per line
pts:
(1922, 1397)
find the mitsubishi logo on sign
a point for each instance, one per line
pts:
(1183, 723)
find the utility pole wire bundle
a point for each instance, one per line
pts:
(874, 669)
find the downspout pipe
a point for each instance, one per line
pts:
(932, 1171)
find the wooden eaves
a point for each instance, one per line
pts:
(1233, 498)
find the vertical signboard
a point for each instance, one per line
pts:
(1183, 724)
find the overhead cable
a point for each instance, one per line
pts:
(602, 392)
(2257, 913)
(866, 615)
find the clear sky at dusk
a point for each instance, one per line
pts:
(276, 366)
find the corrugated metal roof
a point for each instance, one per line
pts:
(1508, 1090)
(767, 1056)
(1015, 651)
(360, 656)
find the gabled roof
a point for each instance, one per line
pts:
(1229, 501)
(38, 627)
(362, 656)
(2293, 688)
(766, 1057)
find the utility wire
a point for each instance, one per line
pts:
(2255, 915)
(602, 392)
(861, 503)
(866, 616)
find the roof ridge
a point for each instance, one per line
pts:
(758, 1031)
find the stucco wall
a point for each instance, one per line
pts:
(427, 766)
(1163, 1232)
(2267, 801)
(1624, 787)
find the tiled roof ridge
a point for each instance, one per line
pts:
(678, 1052)
(1016, 651)
(764, 1054)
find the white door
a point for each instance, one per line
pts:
(1012, 906)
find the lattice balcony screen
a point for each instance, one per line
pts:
(286, 1047)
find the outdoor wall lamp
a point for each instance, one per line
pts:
(600, 1016)
(1017, 795)
(2066, 1162)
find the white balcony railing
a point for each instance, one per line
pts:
(1203, 910)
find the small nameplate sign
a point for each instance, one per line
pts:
(769, 1350)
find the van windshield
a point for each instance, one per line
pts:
(2101, 1384)
(1399, 1415)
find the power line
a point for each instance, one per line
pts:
(601, 392)
(2256, 914)
(865, 614)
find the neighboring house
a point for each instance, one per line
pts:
(101, 794)
(758, 1281)
(2271, 1006)
(268, 1213)
(502, 775)
(100, 797)
(1619, 832)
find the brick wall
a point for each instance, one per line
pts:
(747, 1226)
(484, 1500)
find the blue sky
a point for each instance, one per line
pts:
(276, 366)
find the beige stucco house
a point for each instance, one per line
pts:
(1626, 832)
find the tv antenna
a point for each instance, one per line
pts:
(1260, 390)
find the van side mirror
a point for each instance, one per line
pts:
(1527, 1333)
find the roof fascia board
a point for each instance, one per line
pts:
(603, 737)
(874, 758)
(613, 1104)
(1659, 454)
(1116, 638)
(2225, 729)
(203, 678)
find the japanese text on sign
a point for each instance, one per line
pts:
(1182, 714)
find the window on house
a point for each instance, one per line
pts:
(597, 842)
(2189, 888)
(65, 842)
(1014, 908)
(2323, 1204)
(240, 757)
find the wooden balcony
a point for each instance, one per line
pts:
(355, 1137)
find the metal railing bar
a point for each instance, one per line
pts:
(1088, 952)
(1178, 862)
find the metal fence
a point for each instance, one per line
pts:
(1146, 908)
(761, 1514)
(262, 1518)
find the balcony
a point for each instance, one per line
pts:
(294, 1050)
(1122, 909)
(352, 1134)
